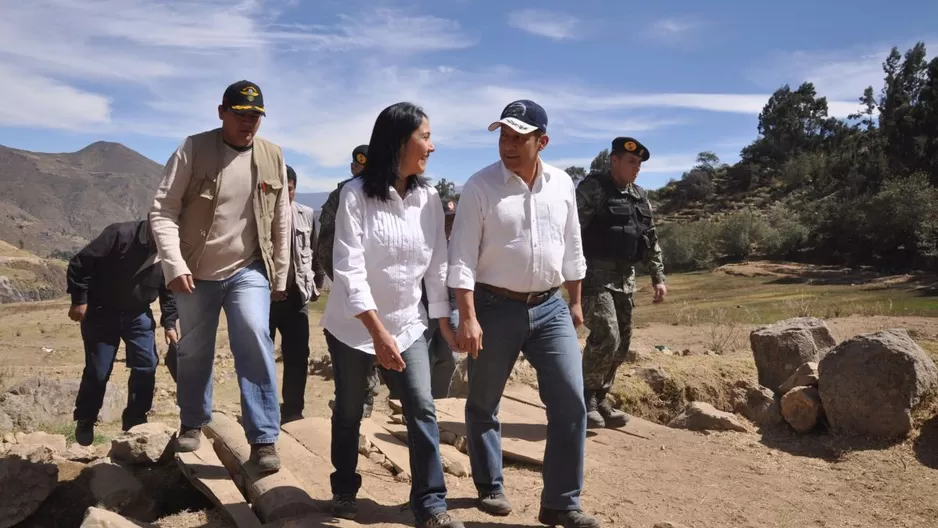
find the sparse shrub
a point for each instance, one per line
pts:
(688, 247)
(740, 233)
(784, 232)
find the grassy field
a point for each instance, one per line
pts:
(713, 297)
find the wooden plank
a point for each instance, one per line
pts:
(518, 443)
(206, 472)
(524, 394)
(313, 435)
(396, 451)
(275, 496)
(455, 462)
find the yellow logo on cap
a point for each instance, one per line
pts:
(360, 158)
(630, 146)
(250, 92)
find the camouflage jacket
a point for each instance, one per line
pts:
(590, 197)
(327, 229)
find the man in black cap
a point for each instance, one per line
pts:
(222, 222)
(515, 242)
(326, 241)
(618, 232)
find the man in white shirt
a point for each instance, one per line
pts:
(515, 241)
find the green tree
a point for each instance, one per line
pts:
(601, 163)
(447, 190)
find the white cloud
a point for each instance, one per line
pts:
(671, 30)
(165, 64)
(45, 103)
(551, 24)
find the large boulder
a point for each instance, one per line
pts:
(870, 384)
(780, 348)
(28, 476)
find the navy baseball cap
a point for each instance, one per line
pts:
(523, 116)
(243, 97)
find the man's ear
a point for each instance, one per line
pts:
(542, 142)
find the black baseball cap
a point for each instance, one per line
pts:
(360, 154)
(632, 146)
(523, 116)
(243, 97)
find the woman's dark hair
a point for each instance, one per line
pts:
(392, 130)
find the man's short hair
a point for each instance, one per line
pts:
(291, 175)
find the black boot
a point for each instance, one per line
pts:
(612, 416)
(594, 420)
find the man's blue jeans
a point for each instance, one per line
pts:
(351, 368)
(246, 299)
(546, 336)
(102, 331)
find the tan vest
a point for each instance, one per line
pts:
(200, 199)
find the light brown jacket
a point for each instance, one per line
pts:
(183, 211)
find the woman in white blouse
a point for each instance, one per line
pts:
(389, 236)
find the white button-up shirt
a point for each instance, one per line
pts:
(512, 237)
(382, 252)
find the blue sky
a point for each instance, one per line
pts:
(680, 76)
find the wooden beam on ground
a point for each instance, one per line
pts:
(455, 462)
(527, 448)
(206, 472)
(393, 449)
(275, 496)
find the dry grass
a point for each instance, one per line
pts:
(197, 519)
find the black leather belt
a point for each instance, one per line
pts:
(530, 299)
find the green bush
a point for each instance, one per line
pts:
(688, 247)
(784, 233)
(740, 233)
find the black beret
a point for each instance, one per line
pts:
(360, 154)
(630, 145)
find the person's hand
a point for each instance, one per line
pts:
(76, 312)
(171, 336)
(387, 352)
(576, 312)
(661, 291)
(278, 296)
(448, 334)
(469, 337)
(182, 284)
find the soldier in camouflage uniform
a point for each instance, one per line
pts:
(618, 232)
(324, 248)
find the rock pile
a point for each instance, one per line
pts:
(866, 385)
(29, 471)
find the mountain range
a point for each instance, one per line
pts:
(54, 203)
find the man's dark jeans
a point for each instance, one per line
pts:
(102, 331)
(351, 368)
(291, 317)
(547, 338)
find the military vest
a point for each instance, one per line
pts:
(619, 230)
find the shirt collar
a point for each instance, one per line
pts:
(507, 174)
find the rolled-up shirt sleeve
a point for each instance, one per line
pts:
(574, 262)
(435, 277)
(465, 239)
(348, 253)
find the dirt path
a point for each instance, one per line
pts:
(775, 479)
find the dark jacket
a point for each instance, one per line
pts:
(106, 274)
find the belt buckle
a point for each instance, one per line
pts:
(533, 296)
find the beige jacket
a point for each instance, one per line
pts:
(183, 211)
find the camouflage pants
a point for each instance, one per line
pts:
(608, 316)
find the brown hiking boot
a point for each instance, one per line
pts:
(594, 420)
(189, 439)
(265, 456)
(612, 416)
